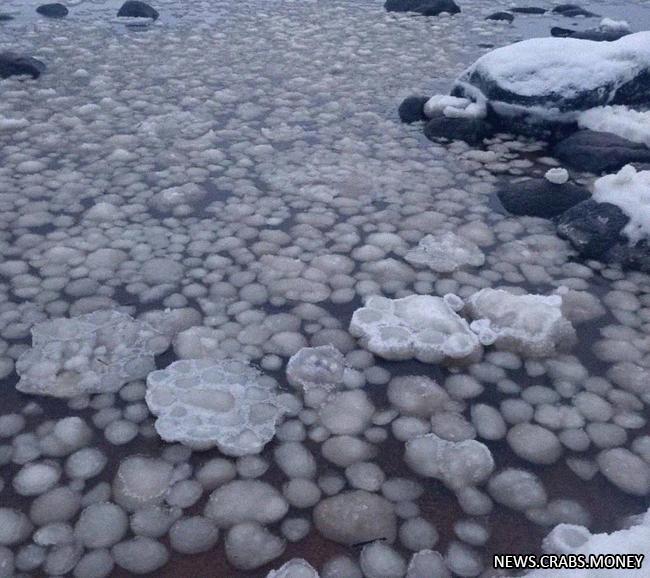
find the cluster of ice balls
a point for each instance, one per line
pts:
(203, 404)
(94, 353)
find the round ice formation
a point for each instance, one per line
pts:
(517, 489)
(140, 555)
(445, 252)
(141, 482)
(532, 325)
(193, 535)
(245, 501)
(456, 464)
(317, 371)
(420, 326)
(356, 516)
(178, 200)
(36, 478)
(565, 538)
(93, 353)
(249, 545)
(557, 176)
(416, 395)
(378, 560)
(427, 563)
(203, 404)
(296, 568)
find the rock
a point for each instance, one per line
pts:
(137, 9)
(424, 7)
(12, 64)
(572, 10)
(355, 517)
(505, 16)
(592, 228)
(470, 130)
(599, 152)
(595, 34)
(412, 109)
(203, 404)
(541, 198)
(528, 10)
(6, 17)
(541, 83)
(635, 257)
(54, 10)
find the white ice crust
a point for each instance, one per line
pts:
(203, 404)
(532, 325)
(93, 353)
(445, 252)
(423, 327)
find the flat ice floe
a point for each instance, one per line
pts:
(423, 327)
(532, 325)
(204, 404)
(445, 253)
(94, 353)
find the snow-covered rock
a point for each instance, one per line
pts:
(204, 404)
(445, 252)
(532, 325)
(93, 353)
(630, 191)
(623, 121)
(545, 80)
(456, 464)
(420, 326)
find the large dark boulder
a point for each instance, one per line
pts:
(412, 109)
(599, 152)
(528, 10)
(592, 228)
(541, 198)
(471, 130)
(596, 34)
(424, 7)
(55, 10)
(504, 16)
(544, 82)
(12, 64)
(572, 10)
(137, 9)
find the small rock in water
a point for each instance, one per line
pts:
(504, 16)
(54, 10)
(12, 64)
(424, 7)
(137, 9)
(412, 109)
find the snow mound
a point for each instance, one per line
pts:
(445, 252)
(93, 353)
(317, 371)
(571, 539)
(554, 78)
(421, 326)
(296, 568)
(620, 120)
(203, 404)
(630, 191)
(532, 325)
(457, 464)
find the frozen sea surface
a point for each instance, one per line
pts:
(245, 159)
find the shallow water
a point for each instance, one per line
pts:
(287, 112)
